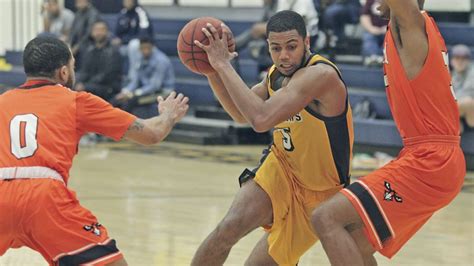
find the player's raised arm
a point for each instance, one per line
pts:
(407, 26)
(407, 12)
(154, 130)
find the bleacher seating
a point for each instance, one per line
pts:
(456, 33)
(364, 83)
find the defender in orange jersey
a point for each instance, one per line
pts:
(42, 122)
(382, 211)
(304, 100)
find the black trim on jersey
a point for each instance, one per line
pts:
(329, 118)
(372, 211)
(88, 255)
(276, 81)
(248, 174)
(37, 85)
(338, 134)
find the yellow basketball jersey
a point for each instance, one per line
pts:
(316, 149)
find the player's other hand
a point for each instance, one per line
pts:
(174, 106)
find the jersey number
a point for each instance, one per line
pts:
(287, 143)
(23, 140)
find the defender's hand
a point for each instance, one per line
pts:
(175, 107)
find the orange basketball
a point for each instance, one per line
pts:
(193, 57)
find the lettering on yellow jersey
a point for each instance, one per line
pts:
(286, 138)
(295, 119)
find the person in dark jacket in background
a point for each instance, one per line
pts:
(133, 23)
(100, 73)
(85, 17)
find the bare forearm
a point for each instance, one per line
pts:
(224, 98)
(150, 131)
(247, 102)
(161, 126)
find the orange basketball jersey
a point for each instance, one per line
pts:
(42, 123)
(425, 105)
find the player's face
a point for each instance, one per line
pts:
(384, 10)
(146, 49)
(287, 50)
(99, 32)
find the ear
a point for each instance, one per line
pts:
(307, 43)
(63, 73)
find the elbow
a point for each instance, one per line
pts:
(240, 119)
(155, 138)
(151, 139)
(260, 124)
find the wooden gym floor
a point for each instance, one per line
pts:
(160, 202)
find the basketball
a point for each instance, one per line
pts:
(192, 56)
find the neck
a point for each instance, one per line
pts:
(41, 78)
(307, 55)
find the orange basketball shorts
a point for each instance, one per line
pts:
(396, 200)
(44, 215)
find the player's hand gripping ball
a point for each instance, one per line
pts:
(192, 56)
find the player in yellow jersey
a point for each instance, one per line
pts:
(305, 101)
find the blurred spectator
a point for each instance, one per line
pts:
(335, 15)
(56, 19)
(463, 82)
(132, 24)
(373, 37)
(152, 73)
(85, 17)
(255, 37)
(258, 30)
(101, 69)
(307, 10)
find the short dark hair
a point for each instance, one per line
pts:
(287, 20)
(146, 39)
(44, 55)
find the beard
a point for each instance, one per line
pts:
(302, 64)
(70, 82)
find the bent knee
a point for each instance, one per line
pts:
(231, 229)
(322, 219)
